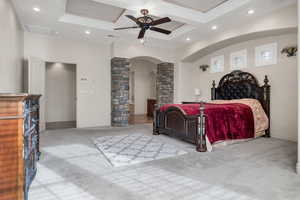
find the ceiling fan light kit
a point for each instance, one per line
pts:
(147, 23)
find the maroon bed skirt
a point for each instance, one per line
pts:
(223, 121)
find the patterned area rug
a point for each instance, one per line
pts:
(136, 148)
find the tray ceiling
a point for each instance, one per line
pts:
(191, 19)
(199, 5)
(94, 10)
(39, 29)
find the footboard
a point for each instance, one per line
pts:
(176, 123)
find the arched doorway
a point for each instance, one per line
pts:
(120, 86)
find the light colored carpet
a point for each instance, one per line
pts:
(131, 149)
(72, 168)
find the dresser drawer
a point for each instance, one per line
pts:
(9, 137)
(8, 195)
(12, 108)
(10, 127)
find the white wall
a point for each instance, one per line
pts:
(137, 50)
(144, 85)
(93, 73)
(298, 67)
(283, 81)
(11, 49)
(60, 92)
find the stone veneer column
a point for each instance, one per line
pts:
(119, 92)
(165, 83)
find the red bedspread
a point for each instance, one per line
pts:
(223, 121)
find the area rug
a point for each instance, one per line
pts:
(135, 148)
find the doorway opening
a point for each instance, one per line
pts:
(60, 96)
(125, 103)
(142, 90)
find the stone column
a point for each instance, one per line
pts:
(165, 83)
(119, 92)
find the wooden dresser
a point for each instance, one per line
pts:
(19, 144)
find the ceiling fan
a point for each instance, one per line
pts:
(147, 23)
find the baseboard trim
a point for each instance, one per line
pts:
(298, 168)
(42, 126)
(60, 125)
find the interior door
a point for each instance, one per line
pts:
(36, 84)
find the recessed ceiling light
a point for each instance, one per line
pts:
(88, 32)
(188, 39)
(56, 32)
(251, 12)
(214, 27)
(36, 9)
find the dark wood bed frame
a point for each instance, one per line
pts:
(236, 85)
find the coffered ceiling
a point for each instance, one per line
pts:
(190, 18)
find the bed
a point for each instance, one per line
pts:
(237, 96)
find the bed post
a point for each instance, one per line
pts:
(155, 120)
(201, 139)
(267, 93)
(213, 91)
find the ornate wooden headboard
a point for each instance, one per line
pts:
(240, 85)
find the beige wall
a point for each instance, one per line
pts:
(93, 73)
(11, 49)
(144, 86)
(283, 80)
(60, 92)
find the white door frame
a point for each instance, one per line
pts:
(36, 83)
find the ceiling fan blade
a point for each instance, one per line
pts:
(142, 33)
(133, 19)
(160, 21)
(126, 28)
(160, 30)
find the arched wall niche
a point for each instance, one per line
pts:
(218, 44)
(277, 20)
